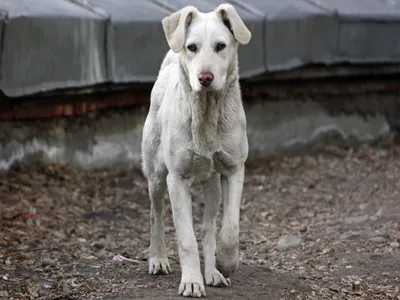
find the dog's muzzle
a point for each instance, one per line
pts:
(206, 79)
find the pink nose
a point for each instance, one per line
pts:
(206, 78)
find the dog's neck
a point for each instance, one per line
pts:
(205, 109)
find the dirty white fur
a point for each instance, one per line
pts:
(197, 135)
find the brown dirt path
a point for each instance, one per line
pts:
(335, 217)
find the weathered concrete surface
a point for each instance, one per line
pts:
(291, 127)
(86, 142)
(102, 140)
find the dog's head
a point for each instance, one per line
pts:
(207, 43)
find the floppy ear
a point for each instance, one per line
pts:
(233, 21)
(175, 26)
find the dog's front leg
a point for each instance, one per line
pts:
(212, 202)
(192, 284)
(228, 245)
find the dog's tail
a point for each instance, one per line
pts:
(169, 59)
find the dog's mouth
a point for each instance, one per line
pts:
(210, 88)
(207, 88)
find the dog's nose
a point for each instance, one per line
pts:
(206, 78)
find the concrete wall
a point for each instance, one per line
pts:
(287, 126)
(290, 127)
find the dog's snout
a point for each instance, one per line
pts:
(206, 78)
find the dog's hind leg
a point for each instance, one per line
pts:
(212, 203)
(158, 260)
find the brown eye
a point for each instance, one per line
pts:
(192, 48)
(220, 47)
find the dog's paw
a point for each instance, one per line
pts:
(215, 278)
(227, 261)
(159, 265)
(192, 287)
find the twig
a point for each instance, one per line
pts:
(27, 251)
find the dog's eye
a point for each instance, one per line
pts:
(220, 47)
(192, 48)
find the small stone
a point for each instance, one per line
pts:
(350, 236)
(303, 229)
(242, 238)
(261, 261)
(363, 206)
(98, 245)
(356, 285)
(4, 294)
(376, 255)
(379, 213)
(377, 239)
(394, 244)
(7, 262)
(272, 253)
(355, 220)
(48, 262)
(310, 161)
(288, 241)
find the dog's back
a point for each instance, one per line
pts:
(151, 137)
(168, 70)
(170, 58)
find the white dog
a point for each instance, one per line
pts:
(195, 133)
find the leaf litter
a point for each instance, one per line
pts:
(323, 226)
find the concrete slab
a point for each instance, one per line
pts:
(297, 33)
(368, 30)
(136, 42)
(3, 19)
(50, 45)
(59, 44)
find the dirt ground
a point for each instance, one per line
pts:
(313, 227)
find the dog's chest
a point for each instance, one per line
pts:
(200, 164)
(204, 139)
(204, 123)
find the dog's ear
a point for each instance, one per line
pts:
(175, 26)
(233, 21)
